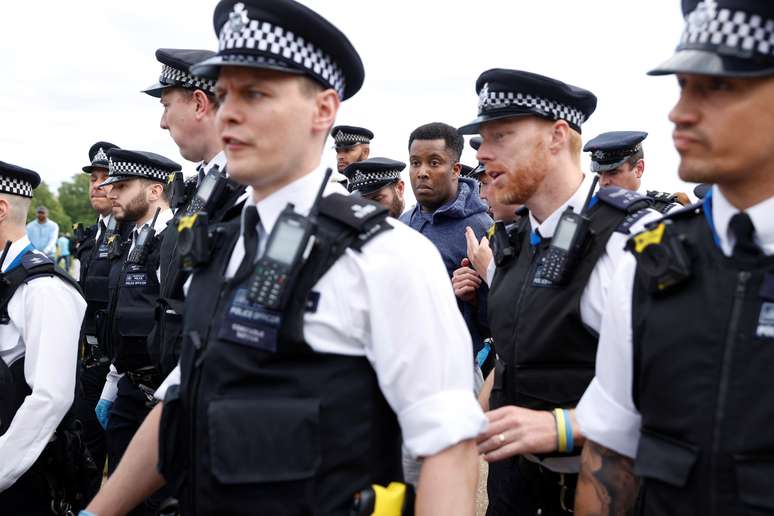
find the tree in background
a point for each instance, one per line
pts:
(44, 197)
(74, 198)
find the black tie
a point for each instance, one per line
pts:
(250, 233)
(199, 174)
(743, 229)
(102, 229)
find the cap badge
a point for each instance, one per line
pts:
(599, 154)
(238, 19)
(701, 16)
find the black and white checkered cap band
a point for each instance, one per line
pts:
(349, 138)
(127, 168)
(15, 186)
(711, 27)
(361, 179)
(176, 77)
(240, 32)
(491, 100)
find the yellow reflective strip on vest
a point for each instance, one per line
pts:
(186, 222)
(654, 236)
(389, 500)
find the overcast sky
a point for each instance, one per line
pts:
(73, 71)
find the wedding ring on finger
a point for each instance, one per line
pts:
(500, 439)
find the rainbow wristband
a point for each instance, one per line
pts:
(568, 424)
(561, 430)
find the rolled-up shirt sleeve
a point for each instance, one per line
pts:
(419, 345)
(48, 313)
(606, 413)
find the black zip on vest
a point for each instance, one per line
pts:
(289, 431)
(703, 355)
(134, 290)
(165, 338)
(547, 354)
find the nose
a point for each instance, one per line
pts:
(163, 121)
(227, 113)
(685, 111)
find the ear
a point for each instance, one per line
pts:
(366, 151)
(202, 104)
(326, 107)
(399, 187)
(5, 209)
(560, 136)
(154, 192)
(456, 169)
(639, 168)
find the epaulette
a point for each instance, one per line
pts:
(661, 196)
(35, 259)
(356, 212)
(622, 199)
(688, 211)
(630, 220)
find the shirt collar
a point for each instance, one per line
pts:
(548, 226)
(14, 251)
(161, 221)
(301, 192)
(219, 159)
(760, 214)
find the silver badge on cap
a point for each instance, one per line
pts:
(599, 154)
(238, 19)
(704, 13)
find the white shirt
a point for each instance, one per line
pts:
(392, 303)
(46, 316)
(219, 159)
(607, 413)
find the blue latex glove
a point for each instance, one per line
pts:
(103, 412)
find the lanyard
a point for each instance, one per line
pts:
(708, 216)
(16, 261)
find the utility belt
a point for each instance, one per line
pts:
(147, 379)
(92, 353)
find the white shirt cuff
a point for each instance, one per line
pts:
(440, 421)
(490, 271)
(606, 422)
(172, 379)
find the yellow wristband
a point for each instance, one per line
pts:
(561, 430)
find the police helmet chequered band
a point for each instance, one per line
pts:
(712, 27)
(242, 32)
(362, 179)
(15, 186)
(128, 168)
(494, 100)
(175, 77)
(349, 138)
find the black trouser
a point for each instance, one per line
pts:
(519, 487)
(92, 380)
(28, 496)
(127, 414)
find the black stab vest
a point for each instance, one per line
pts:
(703, 363)
(166, 336)
(134, 289)
(547, 354)
(95, 269)
(289, 432)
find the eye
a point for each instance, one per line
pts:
(720, 84)
(435, 163)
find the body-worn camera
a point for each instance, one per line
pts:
(503, 249)
(142, 242)
(662, 257)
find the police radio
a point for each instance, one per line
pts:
(193, 242)
(139, 252)
(289, 245)
(500, 243)
(572, 233)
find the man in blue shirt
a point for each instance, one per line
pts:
(43, 232)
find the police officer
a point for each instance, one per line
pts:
(378, 179)
(189, 115)
(40, 322)
(682, 395)
(93, 255)
(136, 187)
(304, 414)
(619, 159)
(352, 144)
(547, 294)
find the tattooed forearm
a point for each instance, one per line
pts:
(606, 485)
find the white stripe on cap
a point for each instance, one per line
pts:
(15, 186)
(708, 25)
(360, 178)
(128, 168)
(490, 100)
(342, 137)
(178, 77)
(240, 32)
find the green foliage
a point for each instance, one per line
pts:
(44, 197)
(74, 198)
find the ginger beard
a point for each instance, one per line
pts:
(520, 183)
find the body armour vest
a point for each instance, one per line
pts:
(703, 361)
(547, 354)
(165, 339)
(95, 269)
(134, 288)
(275, 427)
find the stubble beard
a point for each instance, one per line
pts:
(135, 209)
(525, 180)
